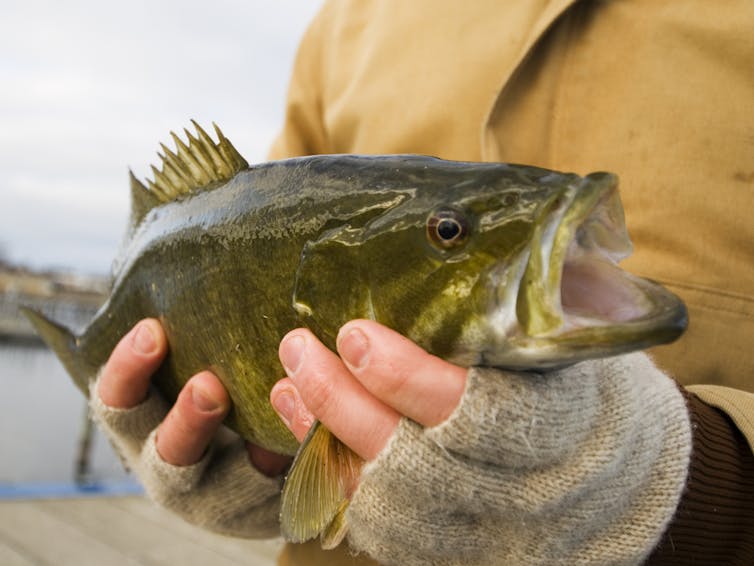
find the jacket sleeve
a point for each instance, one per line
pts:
(714, 522)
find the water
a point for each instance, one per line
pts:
(41, 419)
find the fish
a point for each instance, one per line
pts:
(482, 264)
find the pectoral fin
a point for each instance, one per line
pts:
(336, 531)
(317, 490)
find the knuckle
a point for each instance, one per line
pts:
(395, 380)
(177, 425)
(186, 419)
(318, 393)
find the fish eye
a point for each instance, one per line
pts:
(447, 228)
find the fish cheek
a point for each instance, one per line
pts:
(330, 288)
(388, 276)
(414, 288)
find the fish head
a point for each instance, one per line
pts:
(490, 264)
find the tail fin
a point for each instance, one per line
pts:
(317, 490)
(65, 345)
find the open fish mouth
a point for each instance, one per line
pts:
(572, 300)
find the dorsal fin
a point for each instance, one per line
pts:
(189, 169)
(202, 164)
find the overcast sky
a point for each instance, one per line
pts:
(88, 89)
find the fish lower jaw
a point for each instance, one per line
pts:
(605, 311)
(595, 293)
(598, 310)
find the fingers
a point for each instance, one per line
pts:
(287, 401)
(125, 378)
(399, 373)
(333, 396)
(361, 395)
(184, 435)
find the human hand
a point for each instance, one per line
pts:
(361, 396)
(175, 451)
(581, 465)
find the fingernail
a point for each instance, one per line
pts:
(354, 348)
(204, 402)
(291, 353)
(284, 405)
(143, 340)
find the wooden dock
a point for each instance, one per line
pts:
(115, 531)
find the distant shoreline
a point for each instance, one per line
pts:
(67, 297)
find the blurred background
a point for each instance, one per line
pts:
(88, 89)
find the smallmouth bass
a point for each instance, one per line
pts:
(487, 264)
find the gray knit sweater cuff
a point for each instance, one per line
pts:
(222, 492)
(583, 465)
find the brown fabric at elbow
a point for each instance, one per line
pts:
(714, 523)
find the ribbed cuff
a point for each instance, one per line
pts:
(714, 522)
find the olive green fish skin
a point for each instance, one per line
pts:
(317, 241)
(218, 268)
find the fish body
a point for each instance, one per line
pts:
(479, 263)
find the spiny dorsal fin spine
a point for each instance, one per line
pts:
(173, 164)
(142, 199)
(206, 170)
(137, 187)
(171, 176)
(228, 151)
(218, 165)
(175, 176)
(160, 186)
(193, 168)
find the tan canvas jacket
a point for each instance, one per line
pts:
(661, 93)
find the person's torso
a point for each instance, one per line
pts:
(661, 94)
